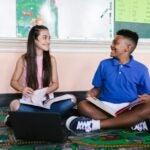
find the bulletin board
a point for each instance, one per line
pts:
(36, 12)
(133, 15)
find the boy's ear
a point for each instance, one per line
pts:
(129, 48)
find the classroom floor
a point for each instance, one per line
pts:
(121, 139)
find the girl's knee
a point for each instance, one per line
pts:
(14, 105)
(72, 97)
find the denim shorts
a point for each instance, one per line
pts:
(59, 107)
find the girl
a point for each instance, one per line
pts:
(37, 69)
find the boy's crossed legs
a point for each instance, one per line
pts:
(96, 119)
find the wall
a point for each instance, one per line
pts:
(75, 70)
(76, 60)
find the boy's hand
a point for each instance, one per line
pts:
(144, 97)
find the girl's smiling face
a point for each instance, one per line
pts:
(43, 41)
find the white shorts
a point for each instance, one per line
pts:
(116, 106)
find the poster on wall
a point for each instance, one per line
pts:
(36, 12)
(133, 15)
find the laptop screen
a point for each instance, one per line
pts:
(38, 126)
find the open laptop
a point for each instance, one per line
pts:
(45, 126)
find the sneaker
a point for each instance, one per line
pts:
(142, 126)
(79, 124)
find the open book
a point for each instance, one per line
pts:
(38, 99)
(110, 110)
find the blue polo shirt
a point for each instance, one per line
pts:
(121, 82)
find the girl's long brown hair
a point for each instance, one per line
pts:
(30, 58)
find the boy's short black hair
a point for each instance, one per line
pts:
(133, 36)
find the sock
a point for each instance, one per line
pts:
(96, 125)
(148, 124)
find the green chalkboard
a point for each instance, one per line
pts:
(133, 15)
(143, 29)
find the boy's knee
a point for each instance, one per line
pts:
(81, 104)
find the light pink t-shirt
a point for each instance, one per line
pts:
(39, 60)
(39, 72)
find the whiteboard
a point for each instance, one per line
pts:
(85, 19)
(77, 19)
(8, 18)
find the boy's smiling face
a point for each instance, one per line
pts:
(120, 47)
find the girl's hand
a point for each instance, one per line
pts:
(27, 92)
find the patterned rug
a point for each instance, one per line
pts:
(105, 139)
(115, 138)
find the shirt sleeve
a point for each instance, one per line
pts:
(97, 79)
(145, 83)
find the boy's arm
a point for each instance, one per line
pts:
(94, 92)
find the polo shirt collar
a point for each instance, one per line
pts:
(128, 64)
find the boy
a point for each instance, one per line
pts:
(117, 82)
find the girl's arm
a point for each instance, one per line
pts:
(53, 86)
(16, 77)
